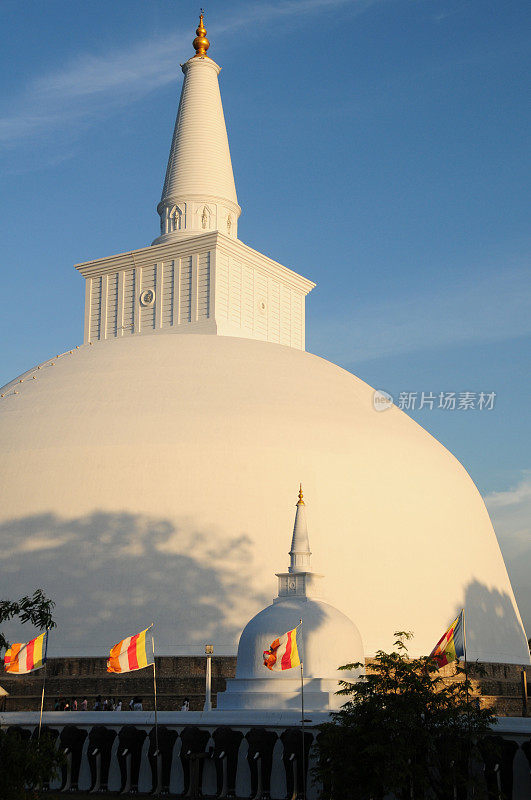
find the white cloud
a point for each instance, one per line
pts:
(513, 498)
(510, 512)
(96, 83)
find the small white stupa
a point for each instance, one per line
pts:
(326, 640)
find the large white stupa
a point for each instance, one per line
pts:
(147, 474)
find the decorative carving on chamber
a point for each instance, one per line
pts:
(176, 219)
(147, 297)
(205, 218)
(229, 224)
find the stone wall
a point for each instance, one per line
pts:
(499, 686)
(177, 677)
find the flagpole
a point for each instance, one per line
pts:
(43, 683)
(155, 695)
(466, 662)
(302, 730)
(466, 673)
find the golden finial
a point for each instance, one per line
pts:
(201, 43)
(301, 501)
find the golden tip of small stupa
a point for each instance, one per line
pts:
(301, 501)
(201, 43)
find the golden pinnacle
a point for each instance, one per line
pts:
(201, 43)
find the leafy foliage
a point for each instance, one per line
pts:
(26, 765)
(35, 608)
(404, 730)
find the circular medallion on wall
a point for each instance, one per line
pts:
(147, 297)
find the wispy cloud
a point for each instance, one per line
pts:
(510, 512)
(97, 83)
(493, 307)
(90, 85)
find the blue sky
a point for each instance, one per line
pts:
(380, 147)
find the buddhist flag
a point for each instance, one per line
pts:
(23, 658)
(129, 654)
(451, 645)
(283, 652)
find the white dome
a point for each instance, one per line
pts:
(326, 640)
(329, 639)
(152, 477)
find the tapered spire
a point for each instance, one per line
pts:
(299, 580)
(199, 194)
(300, 552)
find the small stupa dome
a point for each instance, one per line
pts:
(329, 639)
(325, 640)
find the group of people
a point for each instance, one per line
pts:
(109, 704)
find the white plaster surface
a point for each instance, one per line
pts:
(154, 478)
(326, 639)
(199, 191)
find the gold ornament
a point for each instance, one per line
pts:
(201, 43)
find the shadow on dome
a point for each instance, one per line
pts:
(492, 625)
(111, 574)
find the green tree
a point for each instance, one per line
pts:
(35, 608)
(26, 765)
(403, 730)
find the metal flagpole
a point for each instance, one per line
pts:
(467, 689)
(155, 695)
(43, 682)
(466, 663)
(303, 760)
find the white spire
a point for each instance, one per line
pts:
(300, 552)
(299, 580)
(199, 194)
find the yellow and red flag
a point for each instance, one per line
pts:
(129, 654)
(283, 652)
(22, 658)
(451, 645)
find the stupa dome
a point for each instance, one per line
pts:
(137, 483)
(327, 640)
(147, 474)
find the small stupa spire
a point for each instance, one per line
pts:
(300, 552)
(201, 43)
(299, 580)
